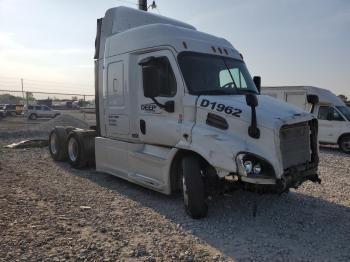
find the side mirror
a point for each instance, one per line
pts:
(257, 82)
(151, 81)
(330, 116)
(251, 100)
(313, 100)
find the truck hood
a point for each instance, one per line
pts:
(271, 113)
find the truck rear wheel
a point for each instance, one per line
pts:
(81, 148)
(75, 148)
(193, 188)
(58, 143)
(344, 144)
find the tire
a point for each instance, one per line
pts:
(81, 148)
(33, 117)
(193, 188)
(13, 114)
(75, 149)
(58, 144)
(344, 144)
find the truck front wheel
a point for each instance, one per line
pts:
(344, 144)
(193, 188)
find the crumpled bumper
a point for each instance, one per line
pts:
(295, 176)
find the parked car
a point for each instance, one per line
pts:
(2, 111)
(39, 111)
(10, 110)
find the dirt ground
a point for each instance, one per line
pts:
(52, 212)
(20, 122)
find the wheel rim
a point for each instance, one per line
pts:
(53, 143)
(346, 145)
(184, 191)
(73, 149)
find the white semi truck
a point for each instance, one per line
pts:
(177, 110)
(332, 113)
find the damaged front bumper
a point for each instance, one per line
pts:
(292, 178)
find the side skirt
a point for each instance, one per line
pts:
(142, 164)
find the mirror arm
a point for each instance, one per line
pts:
(169, 106)
(157, 103)
(253, 130)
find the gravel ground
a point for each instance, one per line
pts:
(50, 211)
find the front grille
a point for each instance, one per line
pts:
(295, 144)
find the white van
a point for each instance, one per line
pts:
(332, 113)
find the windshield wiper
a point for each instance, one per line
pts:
(216, 92)
(244, 91)
(228, 69)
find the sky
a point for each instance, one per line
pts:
(50, 43)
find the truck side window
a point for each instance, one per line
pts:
(168, 81)
(329, 113)
(37, 107)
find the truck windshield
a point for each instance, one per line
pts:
(345, 111)
(215, 75)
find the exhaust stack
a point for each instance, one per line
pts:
(143, 5)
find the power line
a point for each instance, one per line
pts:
(127, 2)
(45, 93)
(43, 81)
(54, 82)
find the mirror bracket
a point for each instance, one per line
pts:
(169, 106)
(253, 130)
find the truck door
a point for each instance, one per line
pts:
(116, 108)
(156, 125)
(330, 123)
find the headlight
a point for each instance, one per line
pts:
(257, 169)
(252, 165)
(248, 166)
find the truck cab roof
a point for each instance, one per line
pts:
(126, 29)
(179, 38)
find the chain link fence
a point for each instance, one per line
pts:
(81, 106)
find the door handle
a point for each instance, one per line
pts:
(143, 126)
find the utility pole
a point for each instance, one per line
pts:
(143, 5)
(22, 88)
(27, 99)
